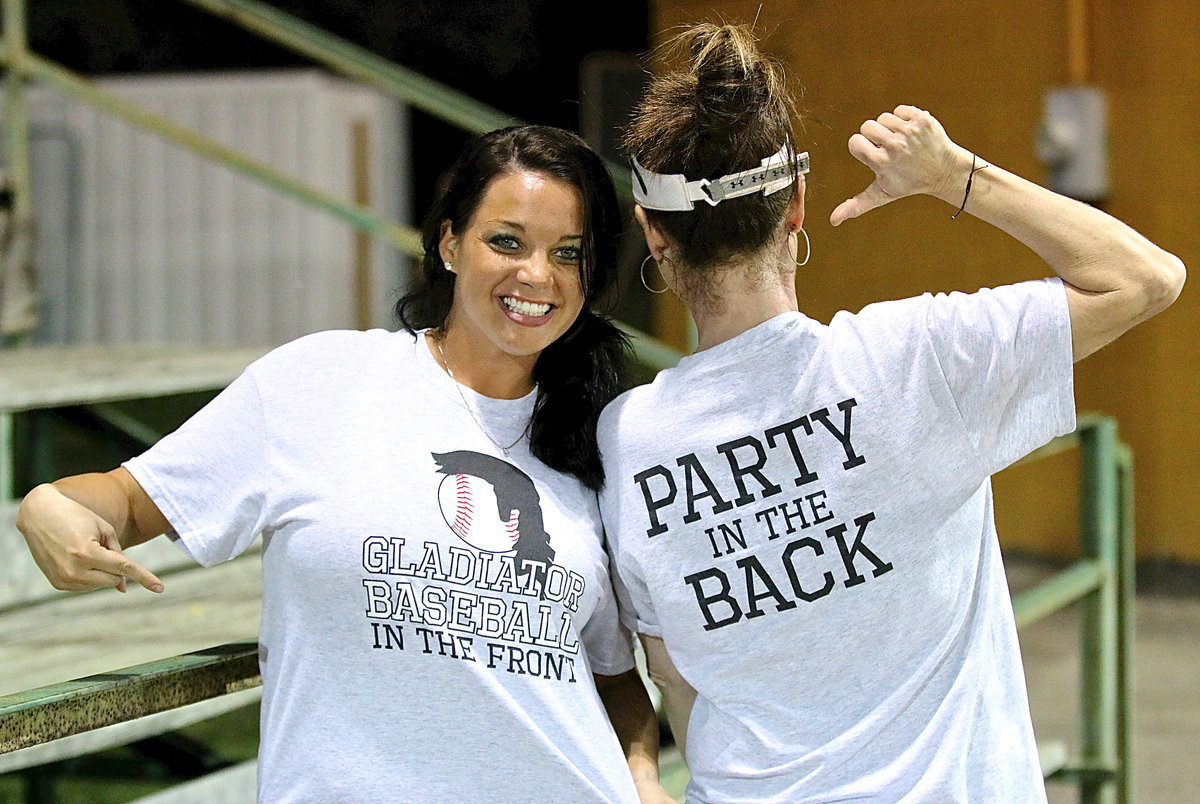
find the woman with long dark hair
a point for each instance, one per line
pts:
(438, 622)
(801, 512)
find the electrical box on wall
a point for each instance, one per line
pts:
(1073, 142)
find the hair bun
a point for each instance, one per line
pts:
(723, 108)
(733, 78)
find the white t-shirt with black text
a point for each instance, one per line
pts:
(803, 514)
(433, 611)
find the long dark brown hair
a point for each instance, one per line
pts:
(580, 373)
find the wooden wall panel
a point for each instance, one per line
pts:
(1145, 57)
(982, 69)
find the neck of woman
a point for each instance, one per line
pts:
(742, 298)
(480, 367)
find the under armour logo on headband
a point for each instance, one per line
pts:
(672, 192)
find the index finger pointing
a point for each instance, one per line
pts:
(114, 562)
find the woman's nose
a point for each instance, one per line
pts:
(536, 270)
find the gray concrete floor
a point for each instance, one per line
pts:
(1166, 762)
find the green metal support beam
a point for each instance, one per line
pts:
(1059, 591)
(29, 65)
(649, 351)
(124, 423)
(1126, 570)
(1100, 522)
(351, 60)
(358, 63)
(7, 469)
(1086, 775)
(60, 710)
(16, 145)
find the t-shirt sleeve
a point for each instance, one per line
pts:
(632, 596)
(209, 478)
(633, 601)
(1005, 354)
(606, 639)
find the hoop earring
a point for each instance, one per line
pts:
(642, 276)
(807, 248)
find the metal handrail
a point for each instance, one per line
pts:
(32, 66)
(1101, 581)
(353, 61)
(356, 62)
(48, 713)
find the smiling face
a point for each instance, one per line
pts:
(518, 267)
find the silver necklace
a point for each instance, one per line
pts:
(437, 339)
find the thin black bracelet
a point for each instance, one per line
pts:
(967, 192)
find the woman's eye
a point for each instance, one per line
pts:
(570, 254)
(504, 242)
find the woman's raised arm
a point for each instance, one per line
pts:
(1115, 278)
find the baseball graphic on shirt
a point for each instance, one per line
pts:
(469, 507)
(493, 506)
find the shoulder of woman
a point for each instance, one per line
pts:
(328, 349)
(611, 416)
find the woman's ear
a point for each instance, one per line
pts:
(448, 244)
(795, 209)
(655, 239)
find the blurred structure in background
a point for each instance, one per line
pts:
(141, 241)
(18, 301)
(136, 240)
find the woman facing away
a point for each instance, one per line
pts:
(800, 514)
(438, 621)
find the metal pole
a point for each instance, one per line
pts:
(650, 351)
(404, 238)
(278, 26)
(1100, 520)
(1059, 591)
(1125, 628)
(356, 62)
(16, 120)
(16, 124)
(7, 468)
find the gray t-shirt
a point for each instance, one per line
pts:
(803, 514)
(433, 611)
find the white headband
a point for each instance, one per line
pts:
(674, 193)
